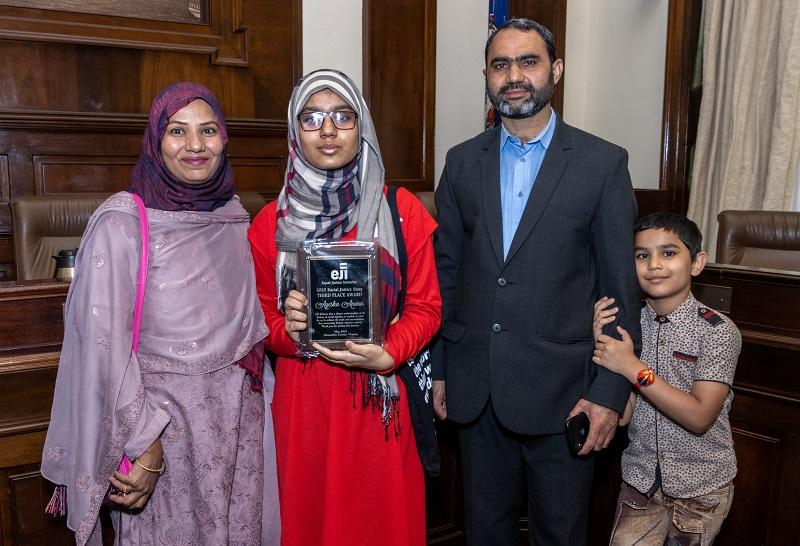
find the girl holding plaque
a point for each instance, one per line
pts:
(348, 467)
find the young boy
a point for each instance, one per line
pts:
(678, 467)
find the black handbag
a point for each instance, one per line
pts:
(416, 374)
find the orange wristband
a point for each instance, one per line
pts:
(644, 378)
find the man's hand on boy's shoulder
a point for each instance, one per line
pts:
(617, 355)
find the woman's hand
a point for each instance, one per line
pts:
(603, 314)
(139, 484)
(368, 356)
(295, 316)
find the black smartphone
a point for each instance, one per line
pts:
(577, 431)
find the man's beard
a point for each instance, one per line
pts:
(530, 107)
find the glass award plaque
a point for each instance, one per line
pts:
(341, 282)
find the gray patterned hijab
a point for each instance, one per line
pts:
(321, 204)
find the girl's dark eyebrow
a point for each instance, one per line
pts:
(337, 108)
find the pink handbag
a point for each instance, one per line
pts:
(125, 464)
(58, 505)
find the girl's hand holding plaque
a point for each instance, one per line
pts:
(295, 316)
(356, 355)
(367, 356)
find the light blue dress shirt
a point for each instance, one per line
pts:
(519, 164)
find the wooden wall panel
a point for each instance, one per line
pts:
(683, 31)
(444, 500)
(5, 183)
(80, 173)
(399, 86)
(25, 497)
(77, 87)
(251, 172)
(7, 268)
(27, 392)
(23, 492)
(553, 15)
(758, 456)
(32, 317)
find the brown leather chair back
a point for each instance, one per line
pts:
(43, 225)
(427, 199)
(758, 238)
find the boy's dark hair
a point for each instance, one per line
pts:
(525, 25)
(686, 230)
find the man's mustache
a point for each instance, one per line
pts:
(524, 86)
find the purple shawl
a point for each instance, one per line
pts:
(152, 181)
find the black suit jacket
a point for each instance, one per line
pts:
(520, 329)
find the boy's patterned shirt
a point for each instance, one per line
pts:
(692, 343)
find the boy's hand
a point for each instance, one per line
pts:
(603, 314)
(617, 355)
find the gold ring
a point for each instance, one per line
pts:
(125, 489)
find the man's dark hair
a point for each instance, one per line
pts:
(686, 230)
(525, 25)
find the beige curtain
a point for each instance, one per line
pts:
(748, 136)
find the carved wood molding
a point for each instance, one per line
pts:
(224, 38)
(24, 426)
(95, 122)
(771, 339)
(759, 392)
(22, 363)
(31, 290)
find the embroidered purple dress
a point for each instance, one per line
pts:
(194, 382)
(201, 315)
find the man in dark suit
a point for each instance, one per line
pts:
(535, 223)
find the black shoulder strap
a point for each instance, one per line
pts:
(402, 255)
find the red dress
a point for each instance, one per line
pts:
(341, 481)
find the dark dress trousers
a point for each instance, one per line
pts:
(518, 331)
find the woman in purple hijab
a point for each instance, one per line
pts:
(190, 408)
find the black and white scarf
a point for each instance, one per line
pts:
(321, 204)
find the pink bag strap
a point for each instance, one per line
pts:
(142, 278)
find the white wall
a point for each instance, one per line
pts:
(332, 37)
(614, 77)
(461, 35)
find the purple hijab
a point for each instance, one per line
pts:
(152, 181)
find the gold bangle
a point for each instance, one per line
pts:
(158, 471)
